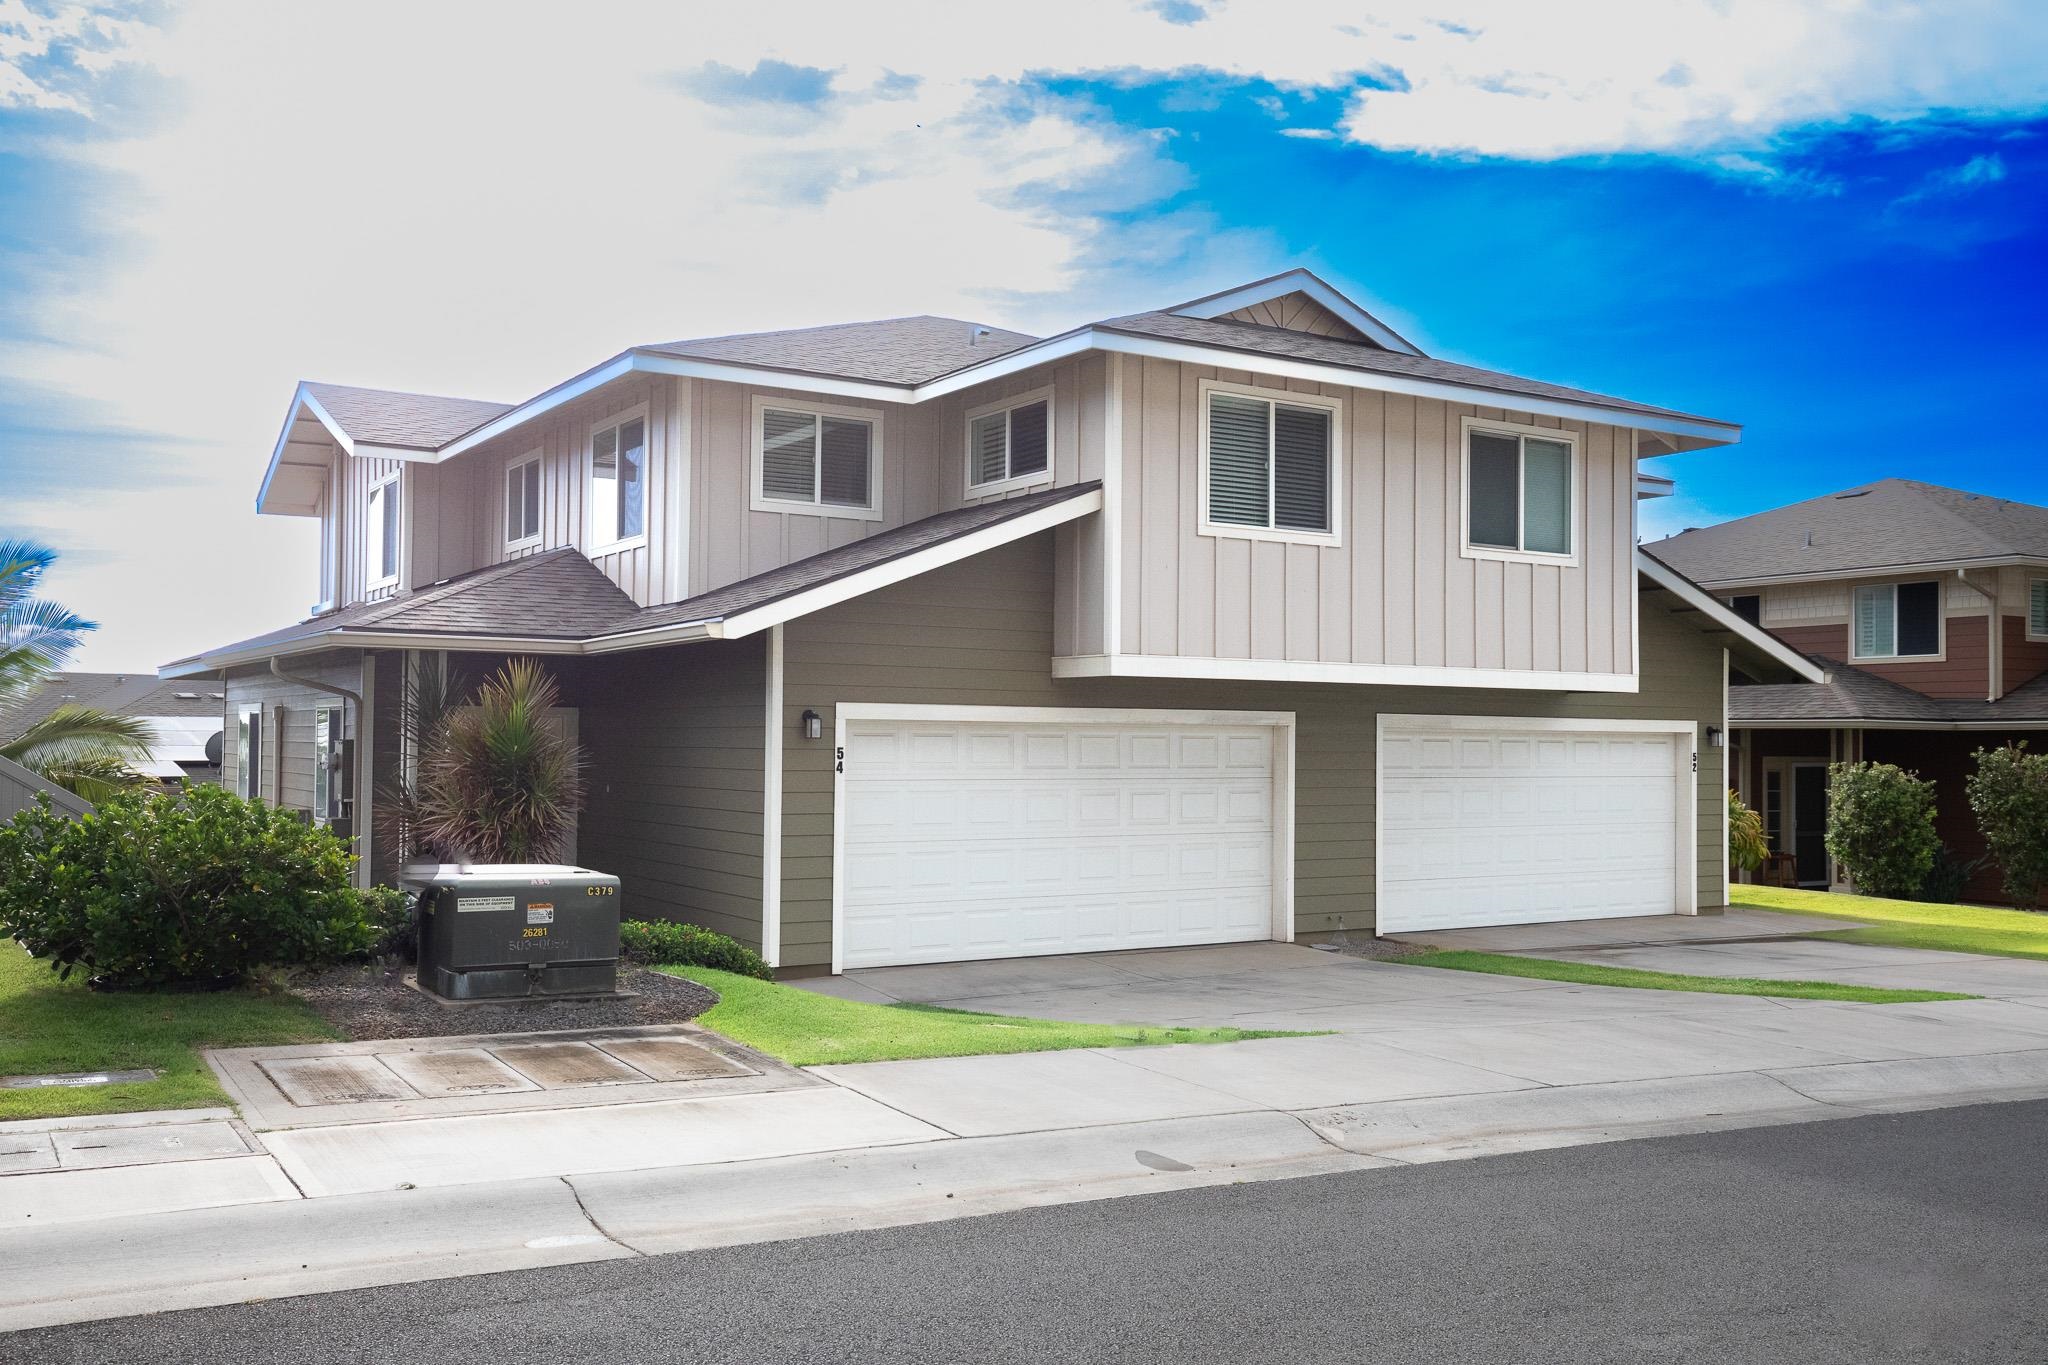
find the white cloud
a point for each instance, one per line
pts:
(483, 198)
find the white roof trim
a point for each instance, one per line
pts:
(1299, 281)
(1877, 571)
(1756, 637)
(1654, 485)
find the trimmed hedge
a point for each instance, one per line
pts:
(197, 888)
(1881, 827)
(666, 943)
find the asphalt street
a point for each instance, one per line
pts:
(1921, 1237)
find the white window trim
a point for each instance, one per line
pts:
(1940, 655)
(505, 487)
(761, 503)
(1278, 534)
(604, 424)
(1468, 425)
(372, 580)
(249, 756)
(1009, 484)
(2033, 582)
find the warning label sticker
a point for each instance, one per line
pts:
(540, 913)
(465, 904)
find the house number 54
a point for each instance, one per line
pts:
(839, 759)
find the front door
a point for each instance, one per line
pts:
(1810, 823)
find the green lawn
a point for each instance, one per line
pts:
(807, 1029)
(47, 1026)
(1588, 974)
(1910, 924)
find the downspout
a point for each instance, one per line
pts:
(1994, 636)
(358, 798)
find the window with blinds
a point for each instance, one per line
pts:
(1518, 492)
(2037, 608)
(815, 458)
(1897, 620)
(1269, 464)
(1010, 445)
(618, 484)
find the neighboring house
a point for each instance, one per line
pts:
(19, 789)
(184, 719)
(1929, 607)
(919, 640)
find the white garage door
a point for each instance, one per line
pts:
(968, 839)
(1490, 823)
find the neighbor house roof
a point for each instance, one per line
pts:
(559, 602)
(892, 351)
(1892, 523)
(419, 421)
(126, 694)
(1853, 696)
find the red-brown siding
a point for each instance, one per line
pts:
(2025, 660)
(1947, 758)
(1965, 672)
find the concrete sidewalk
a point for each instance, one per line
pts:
(1422, 1065)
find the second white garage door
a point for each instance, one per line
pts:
(1487, 821)
(964, 839)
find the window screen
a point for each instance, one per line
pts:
(1496, 510)
(1749, 607)
(1919, 613)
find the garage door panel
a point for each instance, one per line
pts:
(1508, 826)
(1053, 837)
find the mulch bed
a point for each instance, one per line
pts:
(374, 1001)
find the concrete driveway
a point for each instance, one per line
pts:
(1404, 1033)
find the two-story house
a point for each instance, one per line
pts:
(1929, 608)
(921, 640)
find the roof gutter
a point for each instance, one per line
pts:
(1877, 571)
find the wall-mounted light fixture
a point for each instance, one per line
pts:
(814, 725)
(1714, 736)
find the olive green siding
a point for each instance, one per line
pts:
(674, 741)
(981, 632)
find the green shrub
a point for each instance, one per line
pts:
(1881, 827)
(1947, 878)
(2009, 794)
(665, 943)
(394, 923)
(155, 889)
(1747, 846)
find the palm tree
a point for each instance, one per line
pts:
(81, 749)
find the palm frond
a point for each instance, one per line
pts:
(72, 735)
(22, 562)
(95, 779)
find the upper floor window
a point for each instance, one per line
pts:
(1519, 495)
(381, 537)
(1009, 444)
(807, 455)
(2037, 609)
(1897, 620)
(1749, 606)
(618, 485)
(1269, 465)
(522, 503)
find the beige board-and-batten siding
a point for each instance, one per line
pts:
(979, 633)
(1395, 588)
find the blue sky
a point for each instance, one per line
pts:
(1824, 219)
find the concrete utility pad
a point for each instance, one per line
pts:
(403, 1078)
(139, 1146)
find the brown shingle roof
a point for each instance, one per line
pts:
(892, 351)
(1852, 695)
(1365, 357)
(126, 694)
(1869, 528)
(420, 421)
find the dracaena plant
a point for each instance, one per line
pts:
(499, 783)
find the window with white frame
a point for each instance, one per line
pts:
(381, 534)
(618, 484)
(249, 753)
(809, 456)
(1269, 466)
(1009, 444)
(1520, 497)
(522, 503)
(2037, 609)
(1897, 620)
(323, 762)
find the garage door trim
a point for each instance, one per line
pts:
(1281, 722)
(1685, 877)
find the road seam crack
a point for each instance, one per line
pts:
(591, 1219)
